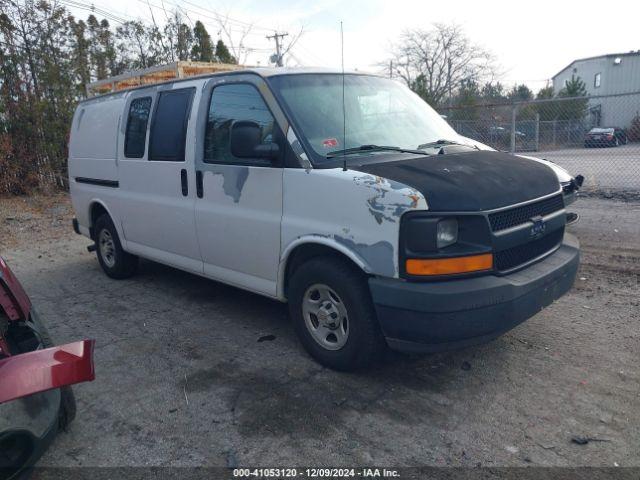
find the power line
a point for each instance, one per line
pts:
(233, 25)
(277, 36)
(97, 10)
(229, 19)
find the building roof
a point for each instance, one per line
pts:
(608, 55)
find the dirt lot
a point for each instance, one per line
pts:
(183, 377)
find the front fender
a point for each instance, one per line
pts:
(326, 241)
(354, 213)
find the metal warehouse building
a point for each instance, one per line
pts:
(607, 75)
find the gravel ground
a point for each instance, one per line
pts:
(612, 168)
(192, 372)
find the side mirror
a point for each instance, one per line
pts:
(246, 141)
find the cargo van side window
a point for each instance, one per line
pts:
(169, 125)
(230, 103)
(136, 135)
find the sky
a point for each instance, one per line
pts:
(531, 40)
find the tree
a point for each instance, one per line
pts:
(101, 49)
(467, 98)
(545, 93)
(184, 42)
(547, 110)
(520, 93)
(47, 57)
(436, 62)
(573, 109)
(492, 92)
(222, 53)
(202, 50)
(80, 54)
(134, 46)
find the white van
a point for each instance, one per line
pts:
(389, 230)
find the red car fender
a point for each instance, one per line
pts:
(40, 370)
(13, 298)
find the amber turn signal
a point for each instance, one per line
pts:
(449, 266)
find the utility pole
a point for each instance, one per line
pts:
(277, 37)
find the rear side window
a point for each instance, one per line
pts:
(231, 103)
(169, 126)
(136, 134)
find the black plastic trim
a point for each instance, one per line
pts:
(98, 181)
(440, 316)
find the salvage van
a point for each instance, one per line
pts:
(345, 195)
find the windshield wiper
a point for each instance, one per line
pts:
(373, 148)
(443, 142)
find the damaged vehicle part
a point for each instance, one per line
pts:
(36, 400)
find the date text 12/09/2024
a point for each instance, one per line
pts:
(315, 473)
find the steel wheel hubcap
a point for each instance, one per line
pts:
(107, 248)
(325, 316)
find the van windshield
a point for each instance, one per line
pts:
(378, 112)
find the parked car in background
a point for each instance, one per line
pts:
(605, 137)
(36, 400)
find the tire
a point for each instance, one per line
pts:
(348, 293)
(115, 262)
(67, 413)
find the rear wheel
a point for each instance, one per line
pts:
(115, 262)
(333, 315)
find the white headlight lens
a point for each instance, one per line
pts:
(447, 232)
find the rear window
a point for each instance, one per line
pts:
(136, 135)
(601, 130)
(169, 126)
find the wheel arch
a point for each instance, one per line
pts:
(97, 208)
(305, 248)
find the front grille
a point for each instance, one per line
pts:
(519, 215)
(515, 256)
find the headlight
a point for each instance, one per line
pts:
(446, 232)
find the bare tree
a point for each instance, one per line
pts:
(286, 50)
(436, 62)
(235, 42)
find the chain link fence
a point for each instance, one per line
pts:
(596, 136)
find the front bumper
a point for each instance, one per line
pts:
(438, 316)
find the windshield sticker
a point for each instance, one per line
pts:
(330, 143)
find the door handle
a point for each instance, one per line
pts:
(184, 182)
(199, 187)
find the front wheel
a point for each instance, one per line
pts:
(115, 262)
(333, 315)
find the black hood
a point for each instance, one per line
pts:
(469, 181)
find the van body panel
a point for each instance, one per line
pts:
(358, 211)
(152, 189)
(238, 217)
(93, 156)
(238, 224)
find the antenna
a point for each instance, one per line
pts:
(344, 110)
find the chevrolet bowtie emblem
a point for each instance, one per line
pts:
(539, 227)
